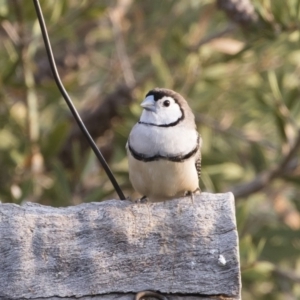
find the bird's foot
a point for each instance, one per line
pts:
(189, 194)
(197, 191)
(142, 200)
(128, 198)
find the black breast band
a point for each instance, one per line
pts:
(177, 158)
(166, 125)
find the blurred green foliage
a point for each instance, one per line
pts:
(243, 87)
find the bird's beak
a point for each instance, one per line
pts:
(149, 103)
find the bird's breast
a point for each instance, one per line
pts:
(153, 141)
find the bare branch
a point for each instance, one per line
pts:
(116, 14)
(285, 167)
(11, 32)
(289, 157)
(290, 275)
(217, 126)
(229, 29)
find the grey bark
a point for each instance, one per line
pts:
(114, 249)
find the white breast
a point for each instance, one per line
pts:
(164, 141)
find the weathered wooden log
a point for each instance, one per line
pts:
(114, 249)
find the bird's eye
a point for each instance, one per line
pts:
(166, 103)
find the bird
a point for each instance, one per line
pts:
(164, 148)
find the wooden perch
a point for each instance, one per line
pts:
(114, 249)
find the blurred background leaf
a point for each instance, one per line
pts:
(237, 62)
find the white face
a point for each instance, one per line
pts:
(162, 112)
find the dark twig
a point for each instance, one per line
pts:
(239, 11)
(218, 127)
(109, 108)
(230, 28)
(290, 275)
(69, 101)
(263, 179)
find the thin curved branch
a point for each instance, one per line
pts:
(108, 109)
(69, 102)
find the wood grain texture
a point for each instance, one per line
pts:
(113, 249)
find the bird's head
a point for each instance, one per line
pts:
(163, 108)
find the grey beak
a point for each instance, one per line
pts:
(149, 103)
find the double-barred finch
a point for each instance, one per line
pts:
(164, 148)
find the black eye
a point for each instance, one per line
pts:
(166, 103)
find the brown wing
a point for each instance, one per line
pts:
(198, 158)
(198, 166)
